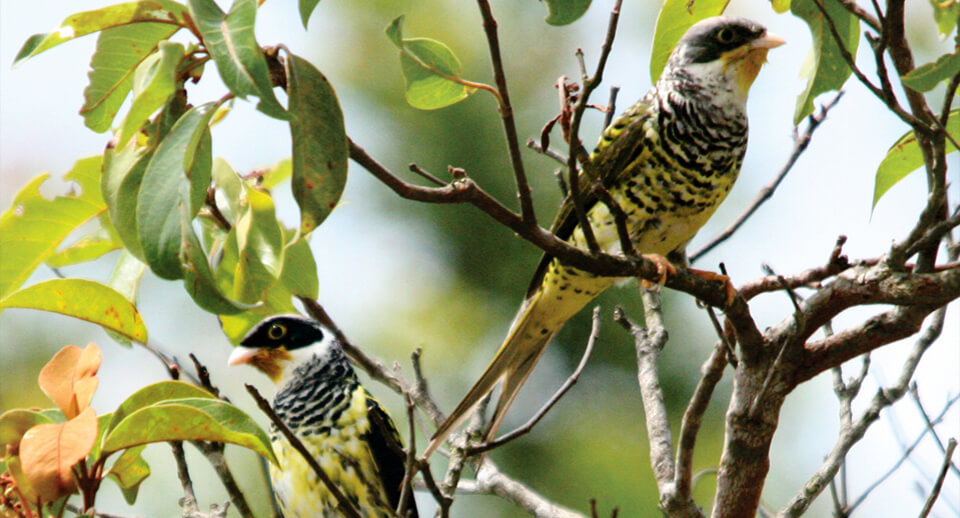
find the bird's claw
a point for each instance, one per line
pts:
(664, 268)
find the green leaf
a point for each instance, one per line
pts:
(153, 394)
(780, 6)
(260, 244)
(119, 51)
(83, 299)
(947, 15)
(198, 276)
(153, 83)
(675, 17)
(427, 67)
(926, 77)
(230, 190)
(87, 248)
(320, 149)
(14, 423)
(306, 9)
(129, 471)
(194, 419)
(300, 270)
(33, 227)
(905, 157)
(83, 23)
(231, 41)
(825, 68)
(125, 279)
(123, 170)
(563, 12)
(280, 171)
(178, 175)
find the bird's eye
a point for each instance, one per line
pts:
(276, 331)
(725, 35)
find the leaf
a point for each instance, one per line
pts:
(675, 17)
(231, 41)
(306, 9)
(119, 51)
(905, 157)
(230, 190)
(194, 419)
(260, 246)
(123, 170)
(300, 270)
(780, 6)
(178, 175)
(825, 68)
(129, 471)
(428, 66)
(86, 22)
(33, 227)
(85, 249)
(280, 171)
(49, 451)
(926, 77)
(153, 83)
(83, 299)
(153, 394)
(947, 15)
(563, 12)
(320, 149)
(14, 423)
(198, 276)
(69, 379)
(125, 279)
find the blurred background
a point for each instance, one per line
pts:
(397, 275)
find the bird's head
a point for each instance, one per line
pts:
(719, 55)
(279, 344)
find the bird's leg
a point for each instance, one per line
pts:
(717, 277)
(664, 268)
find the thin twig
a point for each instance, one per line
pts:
(422, 172)
(343, 503)
(711, 373)
(915, 395)
(611, 106)
(506, 114)
(550, 152)
(947, 455)
(800, 144)
(189, 500)
(567, 385)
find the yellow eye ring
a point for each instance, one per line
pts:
(724, 35)
(276, 331)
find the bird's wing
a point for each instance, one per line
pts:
(620, 145)
(388, 454)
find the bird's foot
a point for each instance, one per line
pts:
(717, 277)
(664, 268)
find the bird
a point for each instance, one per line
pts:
(668, 161)
(321, 400)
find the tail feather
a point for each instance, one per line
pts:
(511, 365)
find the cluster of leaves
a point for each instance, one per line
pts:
(53, 453)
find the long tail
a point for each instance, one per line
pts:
(513, 363)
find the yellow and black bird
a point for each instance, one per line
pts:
(668, 162)
(321, 400)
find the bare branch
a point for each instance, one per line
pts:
(550, 152)
(947, 455)
(506, 114)
(711, 373)
(491, 480)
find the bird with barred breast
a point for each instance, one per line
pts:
(668, 162)
(342, 426)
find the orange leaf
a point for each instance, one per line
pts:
(70, 378)
(49, 451)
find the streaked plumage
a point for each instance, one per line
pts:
(321, 400)
(669, 162)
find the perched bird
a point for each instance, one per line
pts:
(668, 162)
(321, 400)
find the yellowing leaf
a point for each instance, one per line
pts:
(70, 378)
(49, 451)
(675, 17)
